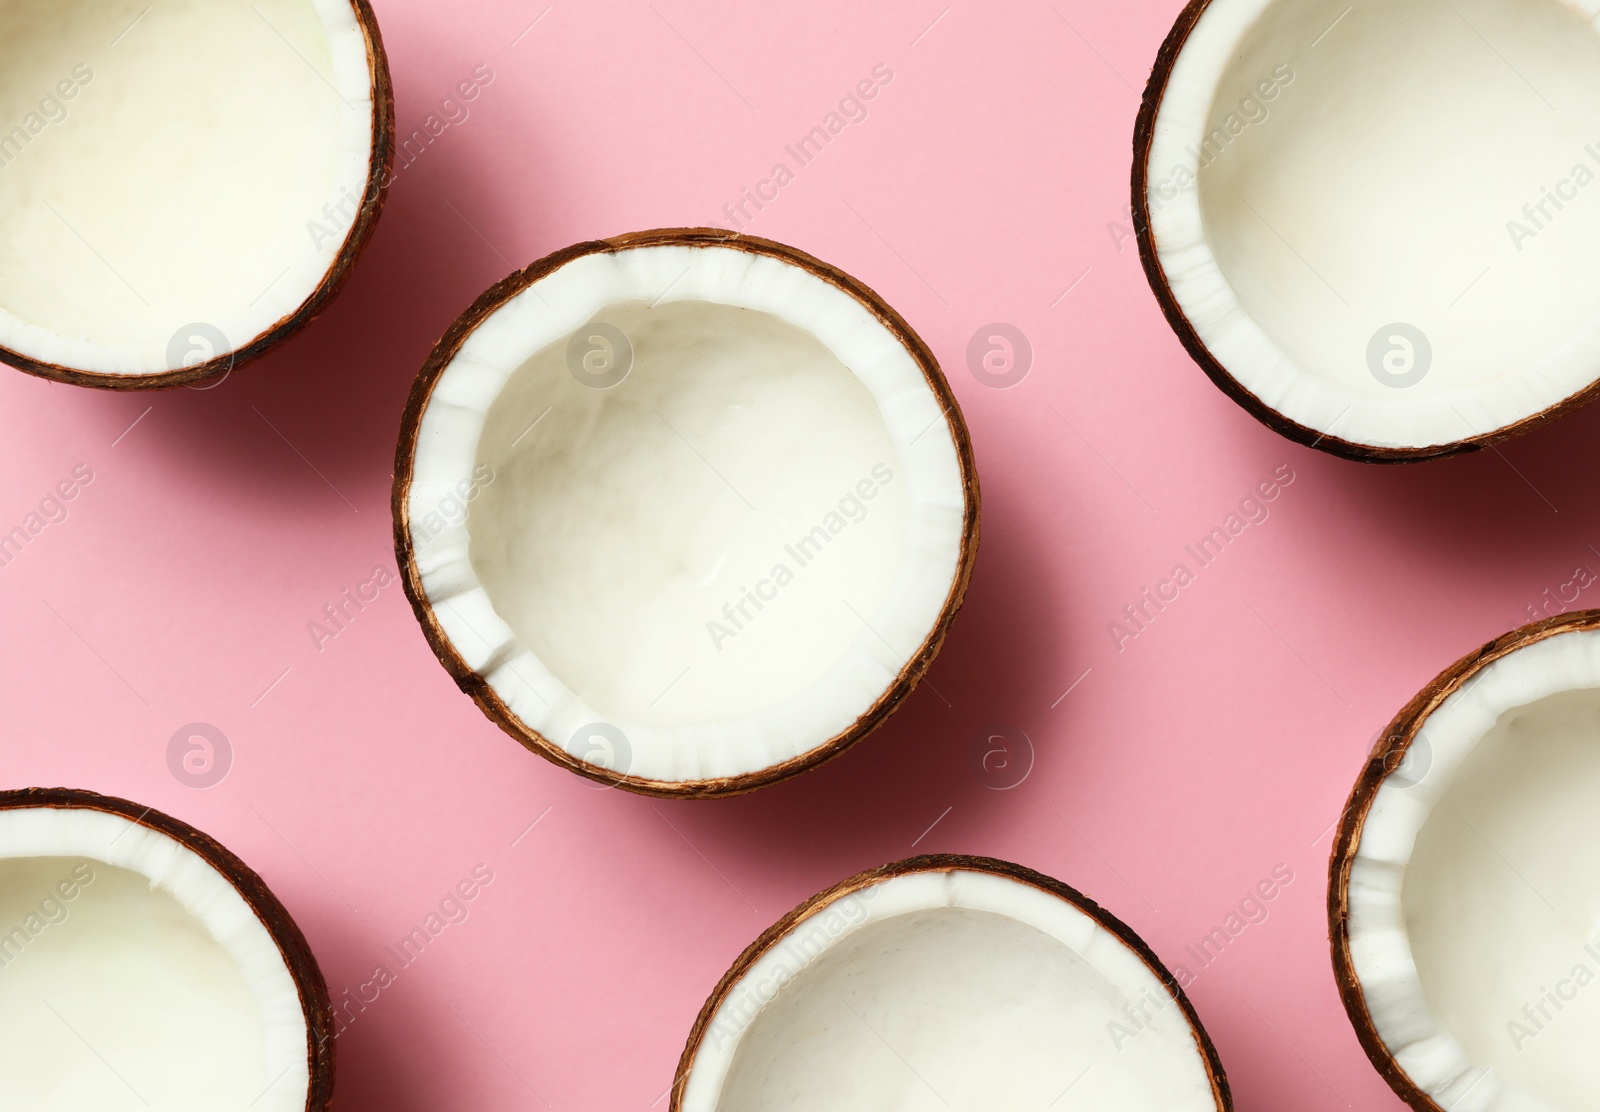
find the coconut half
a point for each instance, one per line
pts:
(953, 983)
(182, 185)
(1370, 221)
(684, 511)
(144, 966)
(1464, 891)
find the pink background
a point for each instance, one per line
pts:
(989, 178)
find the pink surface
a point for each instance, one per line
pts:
(988, 178)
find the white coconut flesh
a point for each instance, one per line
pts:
(134, 976)
(1474, 909)
(1324, 171)
(958, 991)
(728, 556)
(167, 163)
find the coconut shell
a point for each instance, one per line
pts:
(379, 175)
(1385, 758)
(945, 863)
(485, 696)
(292, 945)
(1143, 137)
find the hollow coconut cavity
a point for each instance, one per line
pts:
(1369, 221)
(684, 511)
(182, 185)
(1465, 884)
(952, 983)
(144, 966)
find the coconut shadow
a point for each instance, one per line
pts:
(314, 424)
(1516, 513)
(873, 803)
